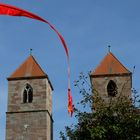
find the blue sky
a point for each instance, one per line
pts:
(88, 27)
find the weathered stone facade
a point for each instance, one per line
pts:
(27, 126)
(29, 121)
(123, 83)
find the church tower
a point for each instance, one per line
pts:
(29, 114)
(111, 79)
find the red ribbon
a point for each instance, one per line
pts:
(6, 9)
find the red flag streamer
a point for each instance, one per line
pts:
(6, 9)
(70, 105)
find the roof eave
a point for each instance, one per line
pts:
(110, 75)
(28, 78)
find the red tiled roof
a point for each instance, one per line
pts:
(110, 65)
(29, 68)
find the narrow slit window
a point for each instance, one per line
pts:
(112, 88)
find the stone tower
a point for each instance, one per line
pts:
(111, 78)
(29, 114)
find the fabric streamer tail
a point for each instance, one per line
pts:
(70, 105)
(10, 10)
(70, 101)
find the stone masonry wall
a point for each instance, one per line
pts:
(27, 126)
(41, 95)
(29, 121)
(123, 85)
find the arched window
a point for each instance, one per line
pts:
(25, 96)
(112, 88)
(28, 94)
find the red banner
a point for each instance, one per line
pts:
(6, 9)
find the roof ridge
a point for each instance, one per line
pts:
(19, 66)
(118, 61)
(38, 64)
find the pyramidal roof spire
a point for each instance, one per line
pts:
(28, 69)
(110, 65)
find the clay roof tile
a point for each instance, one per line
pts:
(110, 65)
(29, 68)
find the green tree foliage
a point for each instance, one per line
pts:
(117, 120)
